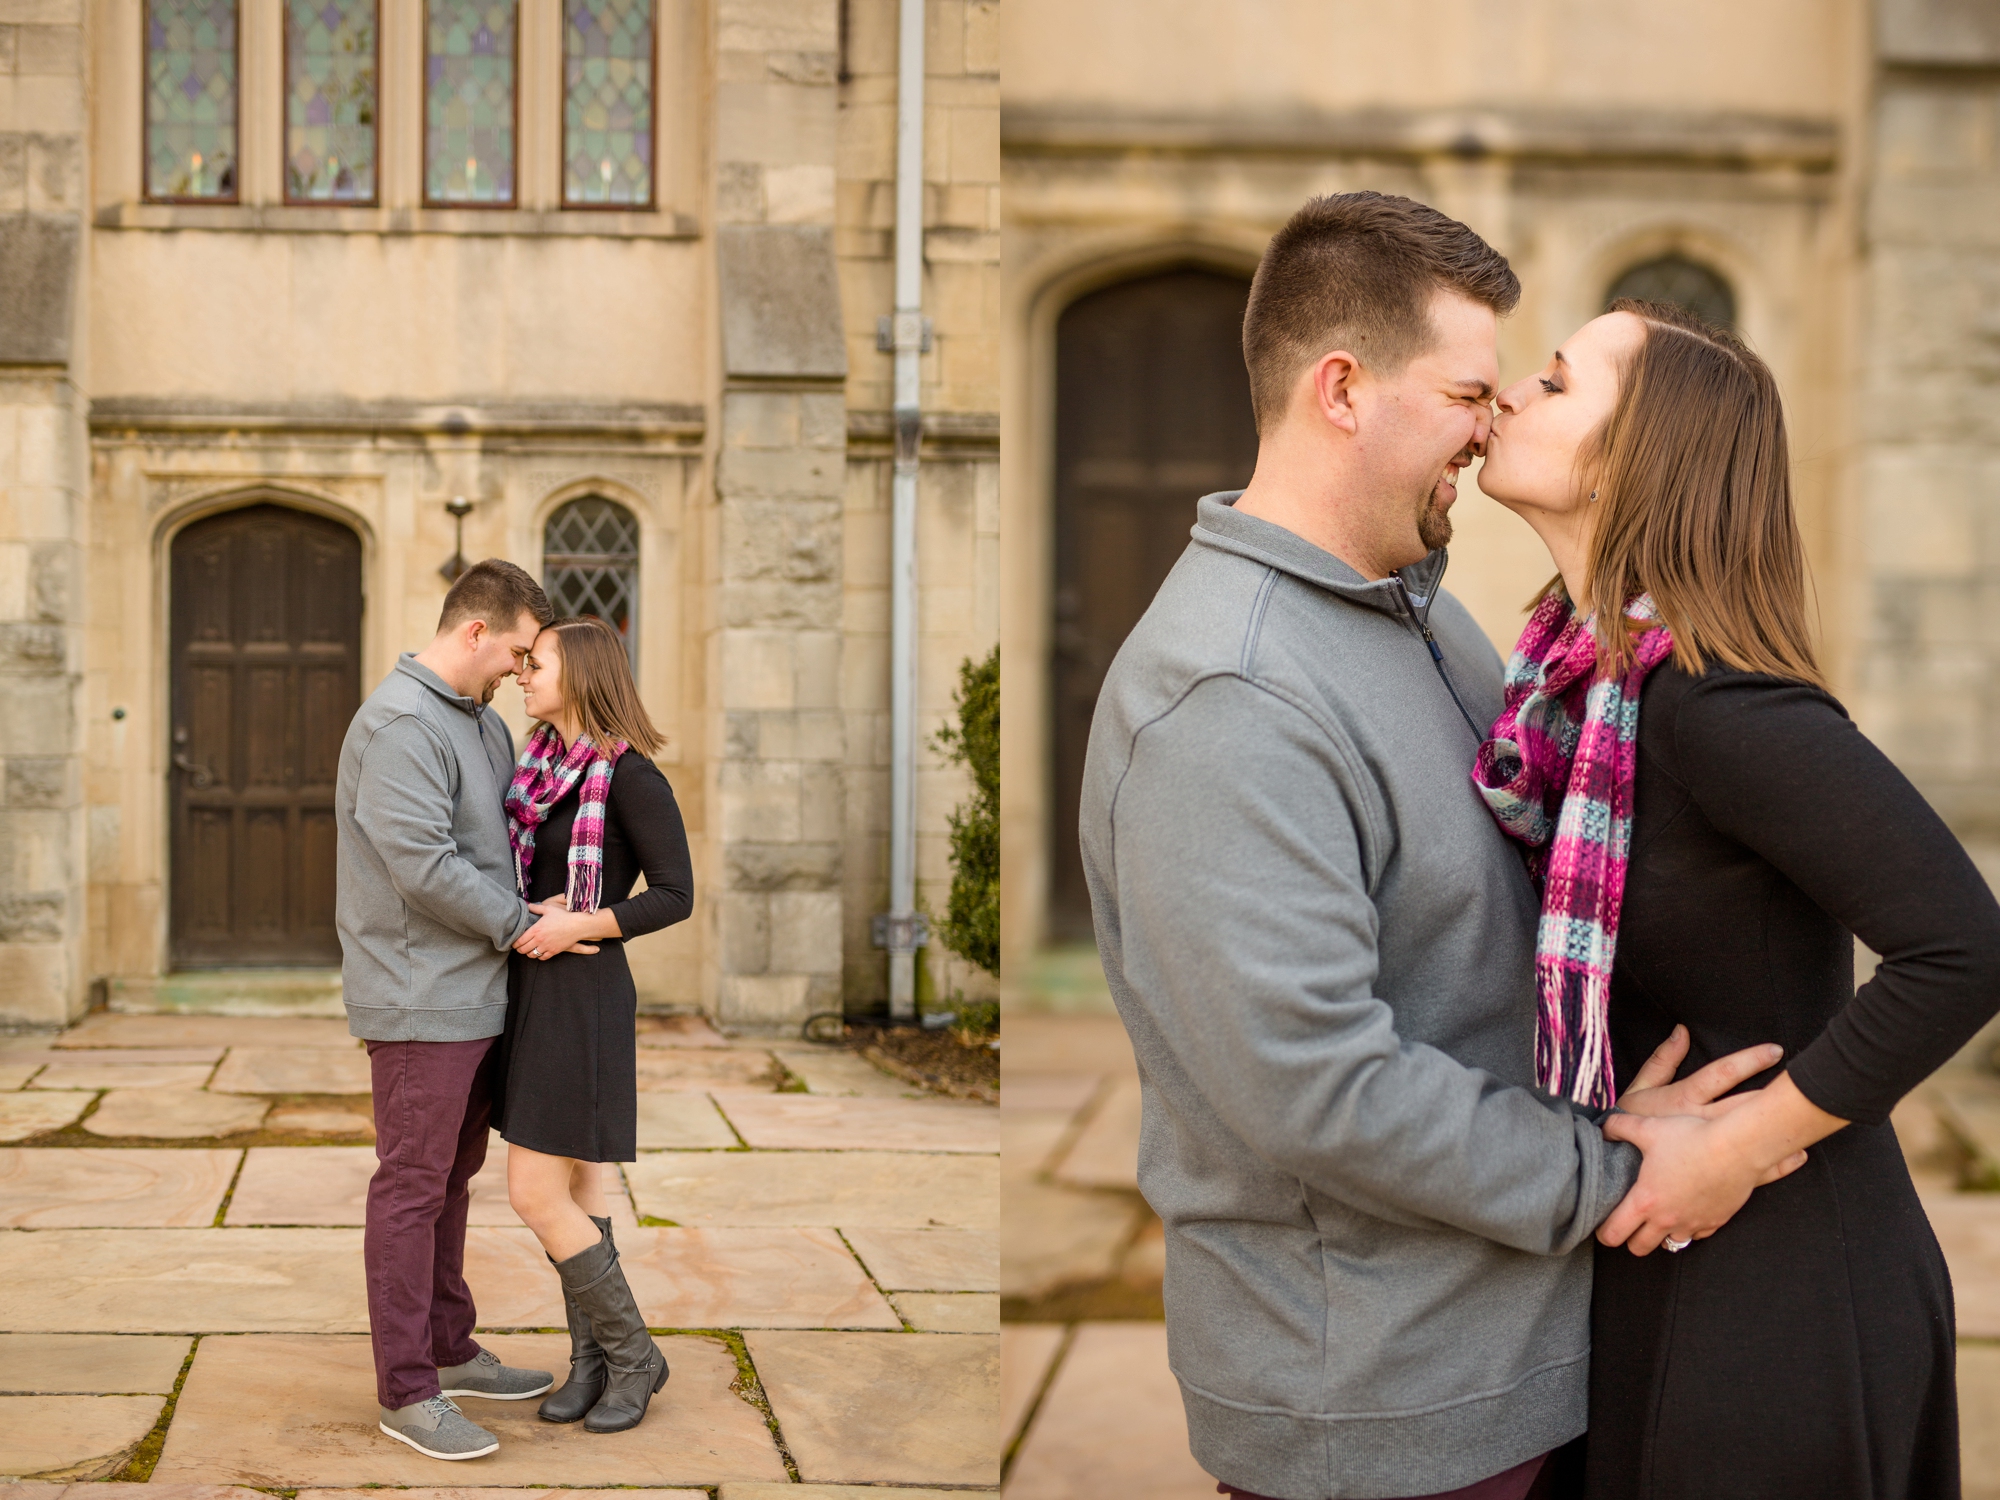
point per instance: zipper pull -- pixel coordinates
(1431, 641)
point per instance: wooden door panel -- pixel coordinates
(266, 677)
(1152, 412)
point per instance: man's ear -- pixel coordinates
(475, 632)
(1333, 376)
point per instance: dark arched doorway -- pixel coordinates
(1152, 413)
(266, 675)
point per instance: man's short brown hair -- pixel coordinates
(1357, 271)
(497, 592)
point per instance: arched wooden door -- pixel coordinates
(266, 676)
(1152, 413)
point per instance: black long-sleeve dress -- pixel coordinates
(1806, 1349)
(568, 1071)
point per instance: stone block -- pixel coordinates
(72, 1437)
(760, 419)
(89, 1364)
(770, 604)
(779, 473)
(54, 51)
(804, 1122)
(1112, 1423)
(975, 149)
(756, 670)
(781, 867)
(739, 192)
(32, 648)
(324, 1432)
(805, 931)
(777, 25)
(982, 36)
(897, 1408)
(34, 917)
(743, 924)
(775, 122)
(760, 802)
(929, 1260)
(293, 1070)
(950, 1312)
(788, 541)
(823, 422)
(818, 655)
(780, 297)
(823, 802)
(764, 1000)
(43, 721)
(75, 1188)
(41, 781)
(801, 193)
(1938, 32)
(38, 269)
(819, 69)
(174, 1114)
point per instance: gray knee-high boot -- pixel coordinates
(573, 1399)
(634, 1367)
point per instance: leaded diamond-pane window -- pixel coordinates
(590, 564)
(469, 83)
(191, 100)
(330, 101)
(607, 103)
(1685, 283)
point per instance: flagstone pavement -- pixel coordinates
(1088, 1405)
(814, 1243)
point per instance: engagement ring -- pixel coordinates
(1675, 1246)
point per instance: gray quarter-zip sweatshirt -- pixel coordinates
(427, 905)
(1378, 1232)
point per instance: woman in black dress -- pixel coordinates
(1794, 1341)
(588, 812)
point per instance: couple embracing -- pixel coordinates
(1503, 1072)
(483, 908)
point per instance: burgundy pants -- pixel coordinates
(432, 1101)
(1517, 1483)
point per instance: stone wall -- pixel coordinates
(1928, 476)
(43, 474)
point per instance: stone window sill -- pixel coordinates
(664, 224)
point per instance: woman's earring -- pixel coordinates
(1593, 495)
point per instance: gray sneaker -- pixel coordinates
(437, 1429)
(484, 1375)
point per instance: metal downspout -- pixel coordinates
(907, 333)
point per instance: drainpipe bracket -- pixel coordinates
(895, 332)
(901, 932)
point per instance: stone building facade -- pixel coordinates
(241, 408)
(1826, 173)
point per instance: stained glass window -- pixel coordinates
(590, 564)
(191, 100)
(1686, 283)
(330, 100)
(469, 67)
(607, 103)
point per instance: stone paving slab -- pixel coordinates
(105, 1030)
(1979, 1419)
(76, 1188)
(1048, 1093)
(801, 1122)
(908, 1408)
(834, 1071)
(89, 1364)
(1967, 1226)
(1026, 1352)
(852, 1189)
(23, 1115)
(689, 1278)
(1051, 1236)
(134, 1057)
(1106, 1153)
(174, 1114)
(496, 1494)
(702, 1070)
(1066, 1044)
(293, 1070)
(183, 1280)
(930, 1260)
(76, 1437)
(88, 1074)
(950, 1312)
(685, 1122)
(1111, 1424)
(14, 1074)
(61, 1491)
(324, 1433)
(294, 1120)
(328, 1185)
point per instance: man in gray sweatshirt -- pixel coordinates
(427, 908)
(1378, 1232)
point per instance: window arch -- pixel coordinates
(590, 564)
(1684, 282)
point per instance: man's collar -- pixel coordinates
(1218, 523)
(408, 663)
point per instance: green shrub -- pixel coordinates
(971, 926)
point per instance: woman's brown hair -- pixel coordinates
(1694, 482)
(597, 686)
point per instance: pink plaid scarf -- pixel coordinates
(540, 782)
(1558, 774)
